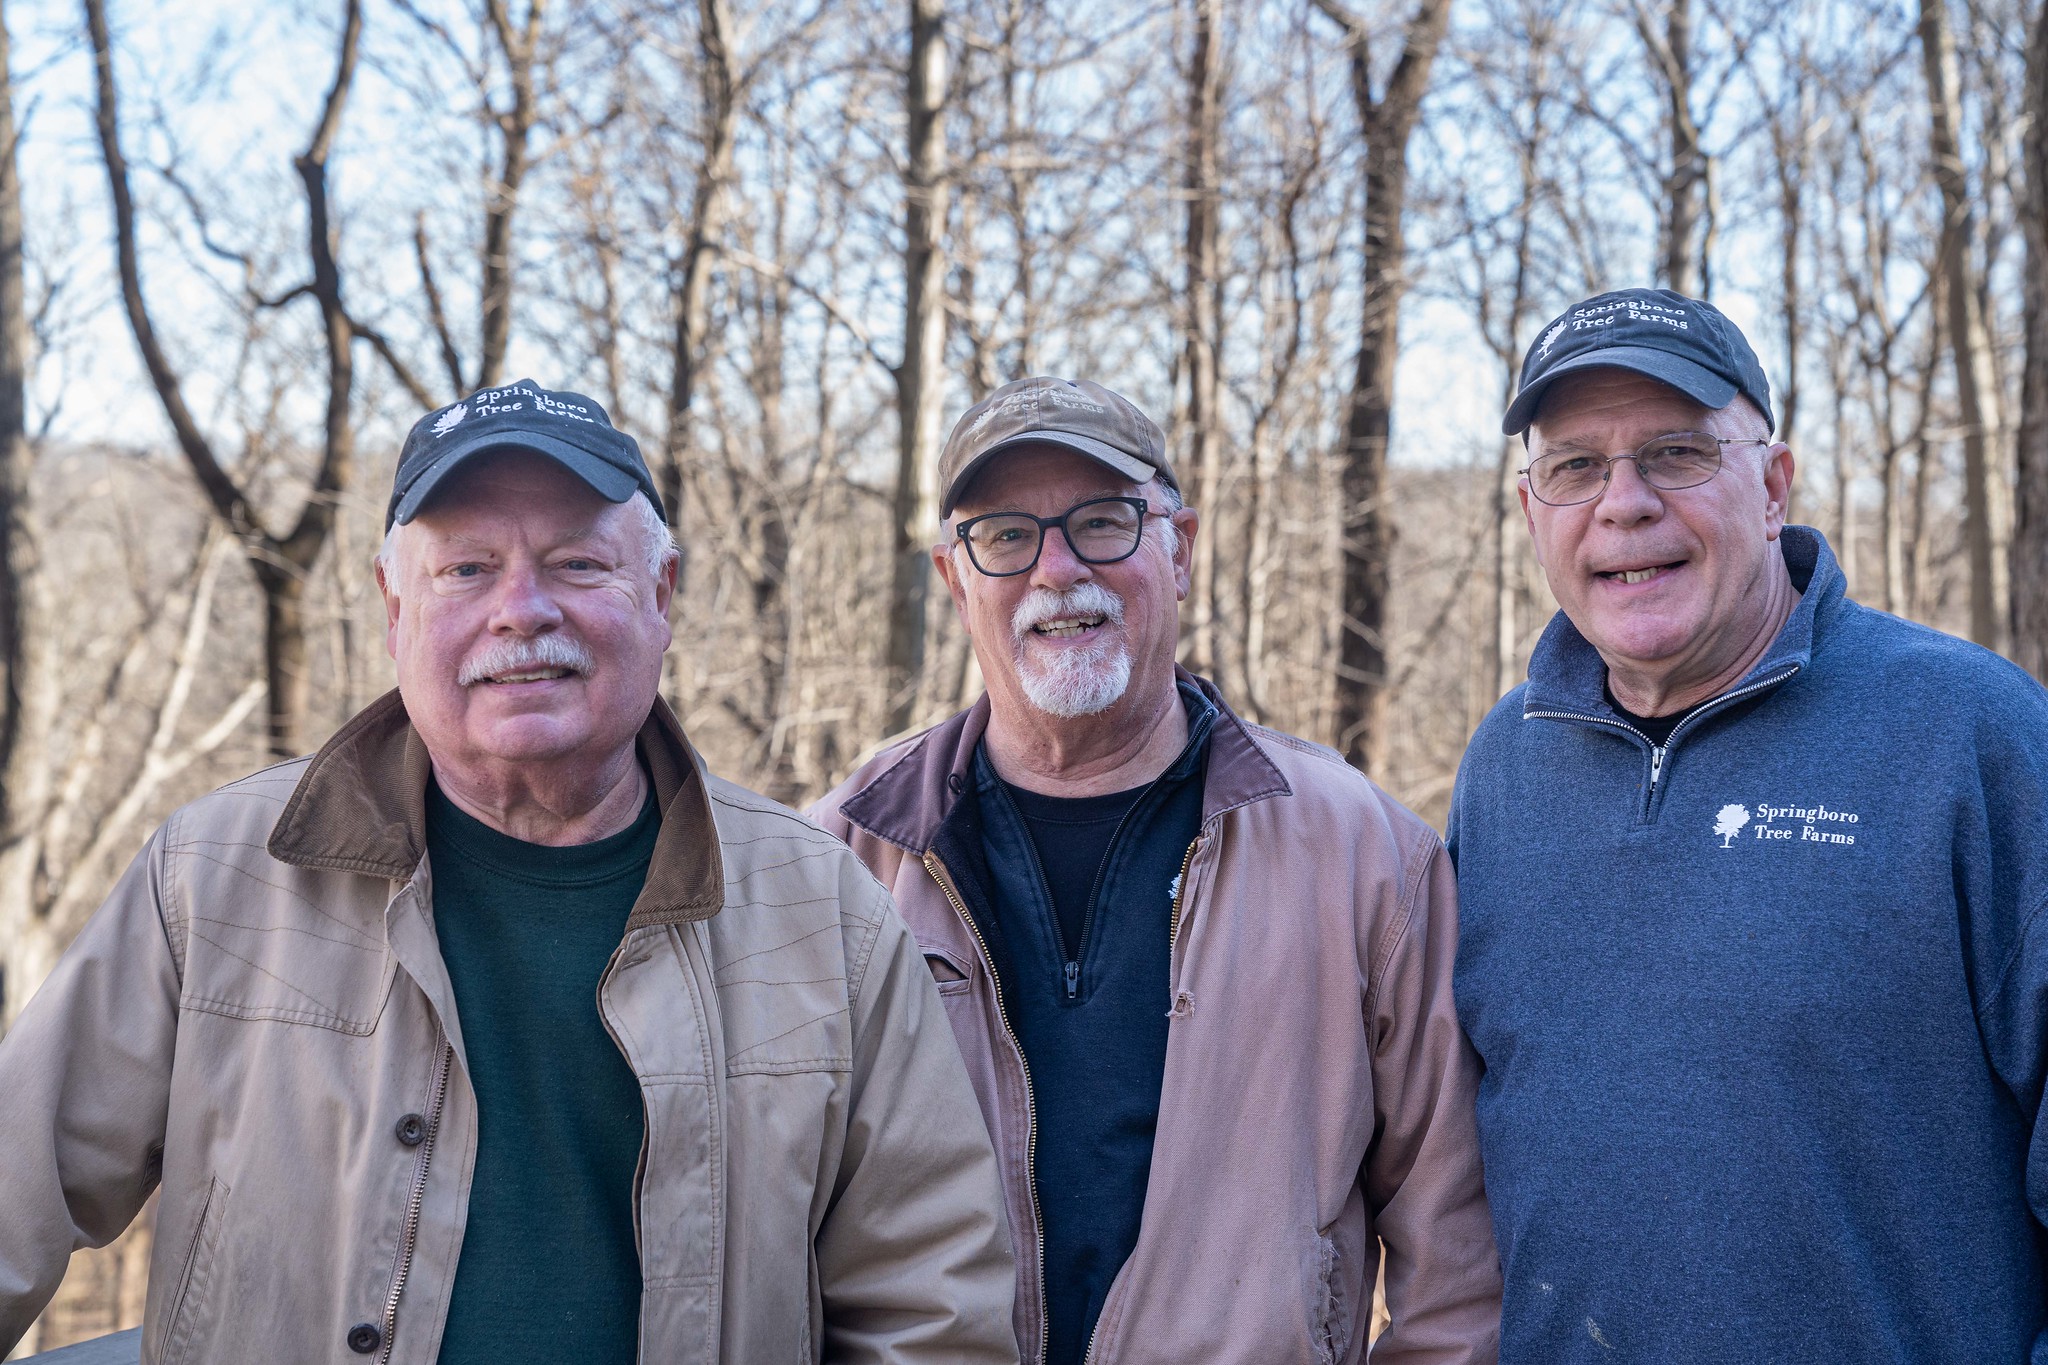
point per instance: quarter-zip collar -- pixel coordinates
(361, 807)
(1567, 677)
(908, 802)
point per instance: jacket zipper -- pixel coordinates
(938, 873)
(1073, 965)
(1180, 891)
(1658, 751)
(417, 1200)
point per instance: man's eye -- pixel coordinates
(1572, 464)
(578, 565)
(1007, 535)
(466, 570)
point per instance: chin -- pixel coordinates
(1658, 637)
(531, 738)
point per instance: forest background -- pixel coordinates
(244, 245)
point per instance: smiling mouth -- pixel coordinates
(1067, 627)
(528, 675)
(1632, 576)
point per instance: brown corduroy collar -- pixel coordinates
(361, 806)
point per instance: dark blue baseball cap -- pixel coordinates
(570, 429)
(1686, 343)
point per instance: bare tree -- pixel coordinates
(517, 42)
(1969, 341)
(1684, 226)
(1385, 122)
(913, 504)
(1202, 314)
(24, 672)
(2029, 548)
(718, 89)
(282, 564)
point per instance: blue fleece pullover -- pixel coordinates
(1763, 1011)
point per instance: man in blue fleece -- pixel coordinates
(1752, 881)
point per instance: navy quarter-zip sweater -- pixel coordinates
(1763, 1010)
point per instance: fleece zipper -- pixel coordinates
(1659, 752)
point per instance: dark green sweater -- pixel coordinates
(549, 1267)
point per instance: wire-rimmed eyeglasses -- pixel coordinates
(1100, 531)
(1679, 459)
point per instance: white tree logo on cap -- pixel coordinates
(1550, 338)
(450, 418)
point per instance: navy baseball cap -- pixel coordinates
(1686, 343)
(570, 429)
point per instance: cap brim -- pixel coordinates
(1696, 382)
(1130, 466)
(606, 479)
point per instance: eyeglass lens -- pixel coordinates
(1680, 460)
(1099, 532)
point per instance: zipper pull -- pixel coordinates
(1656, 764)
(1073, 979)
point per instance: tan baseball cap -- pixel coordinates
(1082, 416)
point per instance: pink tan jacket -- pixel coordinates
(1318, 1097)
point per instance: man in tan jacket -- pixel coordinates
(1200, 971)
(498, 1030)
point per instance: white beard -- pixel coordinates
(1072, 682)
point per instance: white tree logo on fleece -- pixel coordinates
(450, 418)
(1729, 823)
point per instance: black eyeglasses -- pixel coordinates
(1682, 459)
(1100, 531)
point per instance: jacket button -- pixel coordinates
(364, 1338)
(412, 1131)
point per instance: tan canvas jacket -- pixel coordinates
(259, 1020)
(1318, 1097)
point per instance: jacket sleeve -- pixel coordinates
(1422, 1175)
(85, 1078)
(914, 1253)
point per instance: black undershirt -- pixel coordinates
(1658, 728)
(1072, 835)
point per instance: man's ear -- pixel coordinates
(391, 608)
(1779, 467)
(949, 573)
(665, 584)
(1187, 522)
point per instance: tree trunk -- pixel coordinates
(914, 504)
(2028, 554)
(1968, 342)
(1365, 532)
(1681, 252)
(273, 559)
(27, 673)
(501, 197)
(17, 460)
(1202, 312)
(693, 277)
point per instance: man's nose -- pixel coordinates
(524, 605)
(1058, 567)
(1627, 500)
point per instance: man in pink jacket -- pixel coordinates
(1200, 971)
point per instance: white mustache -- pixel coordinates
(520, 655)
(1083, 599)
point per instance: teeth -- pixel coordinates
(1070, 625)
(539, 675)
(1637, 575)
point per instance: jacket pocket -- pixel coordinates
(189, 1307)
(950, 976)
